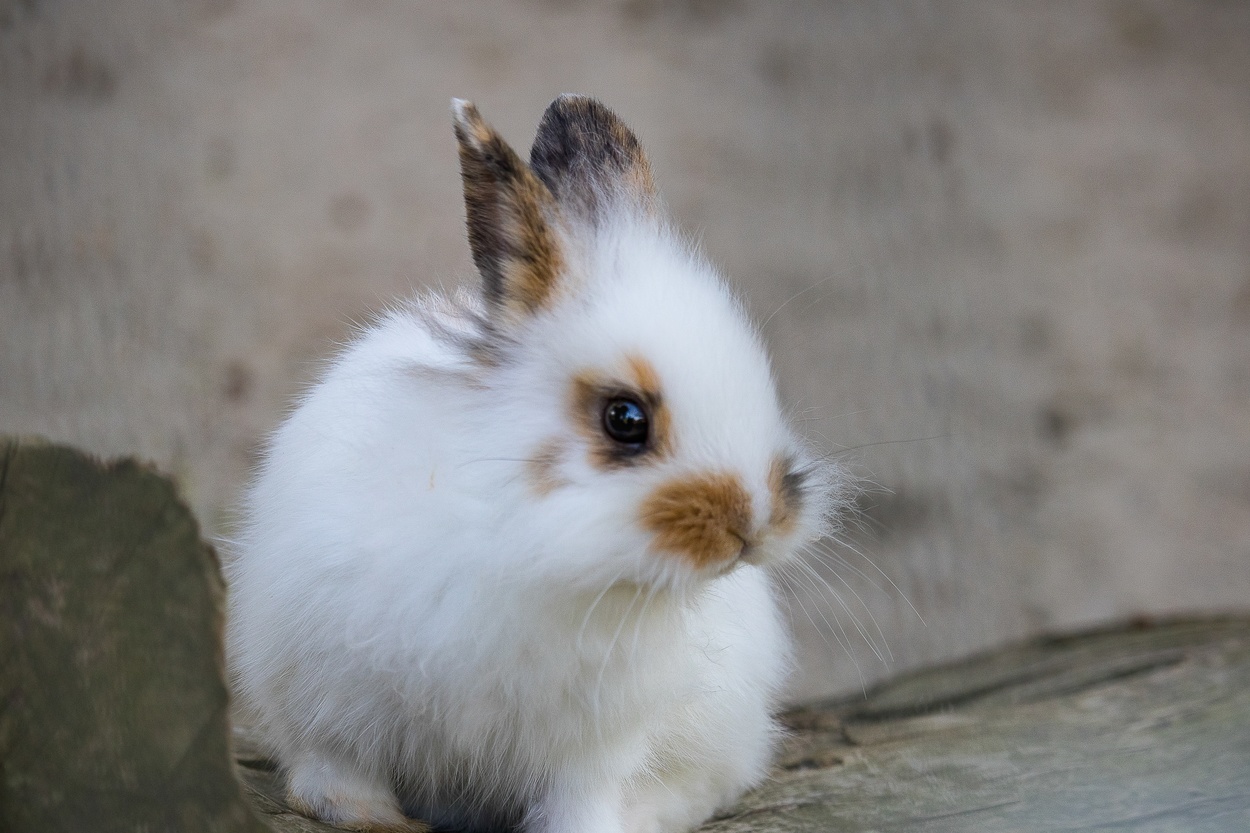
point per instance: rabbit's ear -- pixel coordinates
(508, 212)
(590, 161)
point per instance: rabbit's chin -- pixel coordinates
(661, 572)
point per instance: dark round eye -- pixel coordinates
(625, 421)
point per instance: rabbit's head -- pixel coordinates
(623, 374)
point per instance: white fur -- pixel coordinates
(413, 625)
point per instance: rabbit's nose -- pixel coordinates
(704, 518)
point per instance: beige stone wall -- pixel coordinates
(1002, 251)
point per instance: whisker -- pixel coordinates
(889, 657)
(813, 411)
(872, 645)
(586, 620)
(607, 655)
(798, 294)
(822, 553)
(838, 633)
(633, 650)
(846, 544)
(498, 460)
(842, 450)
(809, 588)
(638, 624)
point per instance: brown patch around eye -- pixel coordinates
(705, 518)
(647, 385)
(590, 394)
(541, 468)
(785, 485)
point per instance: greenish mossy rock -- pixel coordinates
(114, 708)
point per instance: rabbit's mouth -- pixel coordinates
(752, 553)
(767, 551)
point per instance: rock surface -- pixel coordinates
(114, 704)
(1143, 728)
(114, 708)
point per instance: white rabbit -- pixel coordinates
(506, 565)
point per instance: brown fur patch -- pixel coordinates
(585, 154)
(540, 469)
(647, 384)
(591, 391)
(507, 210)
(703, 518)
(785, 486)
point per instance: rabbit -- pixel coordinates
(507, 564)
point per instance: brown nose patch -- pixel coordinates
(704, 518)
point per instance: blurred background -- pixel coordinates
(1001, 252)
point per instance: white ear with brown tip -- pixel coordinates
(508, 211)
(589, 159)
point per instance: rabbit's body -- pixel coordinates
(456, 597)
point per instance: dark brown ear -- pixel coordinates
(588, 158)
(509, 212)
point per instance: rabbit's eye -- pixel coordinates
(625, 421)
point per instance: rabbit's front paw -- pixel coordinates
(345, 797)
(580, 808)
